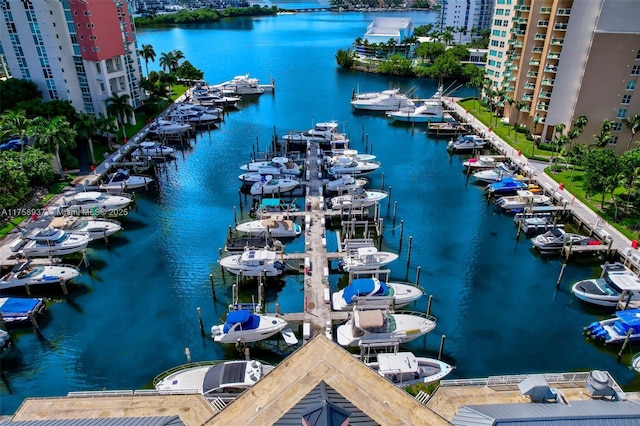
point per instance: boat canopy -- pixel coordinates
(15, 306)
(363, 287)
(367, 251)
(223, 374)
(401, 362)
(248, 320)
(270, 202)
(625, 281)
(371, 319)
(630, 317)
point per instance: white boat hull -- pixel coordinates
(39, 276)
(407, 328)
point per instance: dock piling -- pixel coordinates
(401, 233)
(564, 266)
(418, 275)
(625, 343)
(395, 209)
(213, 288)
(187, 352)
(444, 337)
(429, 304)
(200, 320)
(409, 251)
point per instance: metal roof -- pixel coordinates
(591, 412)
(116, 421)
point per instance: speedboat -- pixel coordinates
(275, 166)
(552, 242)
(378, 325)
(336, 154)
(326, 131)
(53, 242)
(213, 379)
(270, 185)
(169, 127)
(345, 182)
(365, 258)
(217, 98)
(502, 171)
(270, 206)
(122, 180)
(536, 223)
(506, 186)
(349, 166)
(246, 327)
(521, 200)
(98, 203)
(194, 114)
(241, 85)
(617, 283)
(405, 369)
(356, 197)
(24, 275)
(467, 143)
(625, 324)
(363, 289)
(482, 162)
(253, 263)
(447, 129)
(97, 228)
(273, 227)
(430, 110)
(18, 311)
(152, 149)
(387, 100)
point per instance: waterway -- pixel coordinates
(132, 318)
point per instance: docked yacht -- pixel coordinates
(377, 325)
(270, 185)
(337, 154)
(25, 275)
(536, 222)
(275, 166)
(482, 162)
(364, 290)
(326, 131)
(500, 172)
(467, 143)
(275, 228)
(506, 186)
(246, 327)
(123, 180)
(97, 203)
(431, 110)
(349, 166)
(152, 149)
(345, 183)
(617, 283)
(552, 241)
(18, 311)
(387, 100)
(405, 369)
(253, 263)
(53, 242)
(523, 199)
(616, 330)
(187, 114)
(166, 127)
(356, 198)
(365, 258)
(97, 228)
(241, 85)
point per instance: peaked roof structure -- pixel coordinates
(290, 391)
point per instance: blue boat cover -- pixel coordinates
(270, 202)
(248, 320)
(630, 317)
(17, 305)
(362, 287)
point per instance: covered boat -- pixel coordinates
(17, 311)
(349, 166)
(356, 197)
(253, 263)
(275, 166)
(270, 185)
(244, 326)
(523, 199)
(467, 143)
(404, 368)
(152, 149)
(345, 183)
(361, 291)
(365, 258)
(552, 242)
(283, 228)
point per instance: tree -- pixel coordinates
(52, 134)
(166, 61)
(168, 80)
(520, 106)
(633, 124)
(16, 123)
(423, 30)
(558, 131)
(604, 137)
(430, 51)
(396, 65)
(446, 66)
(600, 165)
(14, 184)
(447, 37)
(119, 108)
(461, 30)
(346, 58)
(148, 54)
(15, 90)
(392, 45)
(86, 127)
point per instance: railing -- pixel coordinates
(564, 12)
(532, 74)
(553, 55)
(543, 23)
(537, 49)
(529, 86)
(546, 10)
(534, 62)
(527, 97)
(540, 36)
(548, 81)
(557, 41)
(545, 95)
(560, 26)
(542, 107)
(550, 68)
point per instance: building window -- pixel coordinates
(504, 34)
(622, 113)
(614, 140)
(638, 56)
(501, 44)
(616, 127)
(626, 99)
(635, 70)
(631, 85)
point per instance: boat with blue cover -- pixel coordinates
(16, 311)
(364, 290)
(506, 186)
(244, 326)
(616, 329)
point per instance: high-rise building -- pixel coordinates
(567, 58)
(466, 16)
(83, 51)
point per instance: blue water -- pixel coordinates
(133, 317)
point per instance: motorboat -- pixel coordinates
(97, 203)
(152, 149)
(553, 241)
(522, 200)
(250, 242)
(213, 379)
(624, 325)
(536, 223)
(617, 283)
(19, 311)
(378, 325)
(251, 177)
(635, 363)
(282, 228)
(362, 290)
(506, 186)
(349, 166)
(273, 206)
(345, 183)
(25, 275)
(405, 369)
(215, 97)
(482, 162)
(192, 116)
(387, 100)
(241, 85)
(123, 180)
(365, 258)
(244, 326)
(467, 143)
(447, 129)
(53, 242)
(326, 131)
(500, 172)
(430, 110)
(275, 166)
(253, 263)
(97, 228)
(166, 127)
(337, 154)
(356, 197)
(270, 185)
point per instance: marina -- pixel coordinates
(162, 270)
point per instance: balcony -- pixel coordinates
(551, 68)
(525, 109)
(545, 10)
(545, 95)
(542, 106)
(553, 55)
(540, 36)
(537, 49)
(534, 62)
(532, 74)
(557, 41)
(509, 88)
(527, 97)
(560, 26)
(529, 86)
(543, 23)
(512, 78)
(516, 56)
(563, 12)
(517, 44)
(548, 81)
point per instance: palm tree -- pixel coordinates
(16, 123)
(358, 41)
(633, 124)
(461, 30)
(106, 125)
(177, 54)
(147, 54)
(86, 127)
(507, 102)
(119, 108)
(447, 37)
(576, 130)
(520, 106)
(392, 45)
(54, 133)
(558, 130)
(167, 80)
(166, 61)
(604, 137)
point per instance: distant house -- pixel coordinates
(383, 29)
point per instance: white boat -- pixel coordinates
(345, 183)
(97, 203)
(536, 223)
(213, 379)
(326, 131)
(336, 154)
(370, 289)
(387, 100)
(216, 98)
(24, 274)
(192, 116)
(365, 258)
(552, 241)
(356, 197)
(246, 327)
(405, 369)
(624, 325)
(122, 180)
(270, 185)
(253, 263)
(522, 200)
(53, 242)
(467, 143)
(169, 127)
(635, 362)
(275, 166)
(97, 228)
(241, 85)
(430, 110)
(152, 149)
(377, 325)
(482, 162)
(273, 227)
(349, 166)
(501, 171)
(617, 283)
(18, 311)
